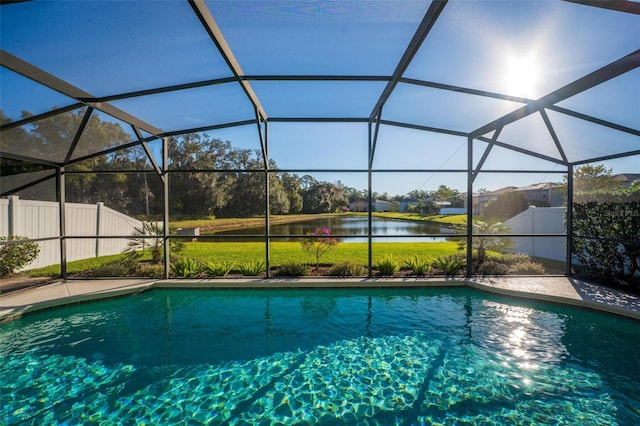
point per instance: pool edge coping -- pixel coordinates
(298, 283)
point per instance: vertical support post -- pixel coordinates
(165, 218)
(99, 211)
(14, 216)
(469, 207)
(267, 203)
(61, 196)
(569, 214)
(369, 207)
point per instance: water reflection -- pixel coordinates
(354, 228)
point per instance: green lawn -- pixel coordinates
(281, 253)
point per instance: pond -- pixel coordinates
(356, 229)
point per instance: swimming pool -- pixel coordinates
(380, 356)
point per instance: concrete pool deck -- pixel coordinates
(562, 290)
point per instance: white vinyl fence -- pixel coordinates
(540, 220)
(40, 219)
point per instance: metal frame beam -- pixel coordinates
(607, 72)
(78, 135)
(38, 75)
(204, 15)
(617, 5)
(148, 152)
(554, 136)
(430, 18)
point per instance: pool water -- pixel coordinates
(367, 357)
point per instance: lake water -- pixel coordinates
(356, 229)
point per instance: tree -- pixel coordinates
(318, 243)
(321, 197)
(292, 187)
(506, 206)
(199, 190)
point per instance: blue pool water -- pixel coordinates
(374, 357)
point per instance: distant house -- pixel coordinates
(363, 206)
(627, 179)
(546, 194)
(404, 205)
(481, 200)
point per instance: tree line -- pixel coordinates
(211, 177)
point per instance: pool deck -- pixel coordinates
(562, 290)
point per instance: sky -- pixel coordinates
(525, 49)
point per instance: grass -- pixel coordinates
(445, 219)
(291, 252)
(281, 253)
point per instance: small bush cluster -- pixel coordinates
(418, 266)
(347, 269)
(449, 265)
(16, 256)
(217, 269)
(251, 268)
(185, 267)
(387, 266)
(292, 269)
(127, 268)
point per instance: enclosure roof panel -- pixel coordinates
(522, 48)
(107, 47)
(310, 37)
(557, 78)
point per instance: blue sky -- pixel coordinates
(114, 47)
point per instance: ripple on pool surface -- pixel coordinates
(365, 380)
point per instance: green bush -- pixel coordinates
(18, 255)
(251, 267)
(492, 267)
(606, 238)
(387, 266)
(417, 265)
(217, 269)
(119, 268)
(347, 269)
(449, 265)
(292, 269)
(185, 267)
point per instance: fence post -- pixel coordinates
(14, 217)
(99, 210)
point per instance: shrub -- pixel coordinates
(292, 269)
(18, 255)
(387, 266)
(522, 264)
(185, 267)
(347, 269)
(150, 237)
(118, 268)
(318, 243)
(218, 269)
(488, 243)
(251, 267)
(449, 265)
(492, 267)
(606, 238)
(418, 265)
